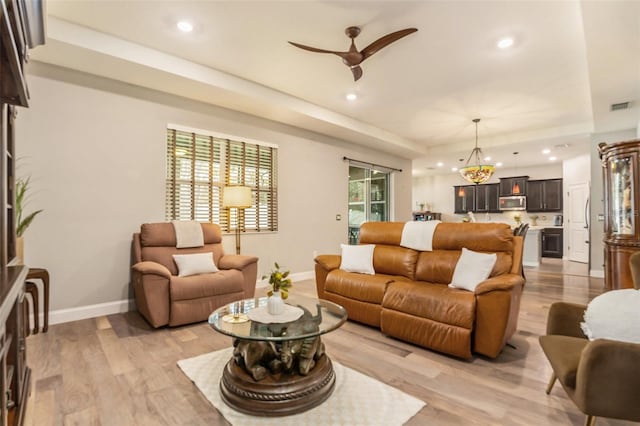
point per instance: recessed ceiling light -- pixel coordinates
(351, 96)
(185, 26)
(505, 43)
(546, 151)
(499, 164)
(487, 158)
(552, 158)
(440, 164)
(454, 169)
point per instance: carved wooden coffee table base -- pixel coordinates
(280, 394)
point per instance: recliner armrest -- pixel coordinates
(236, 261)
(504, 282)
(329, 262)
(148, 267)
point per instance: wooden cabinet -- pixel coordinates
(513, 186)
(544, 195)
(552, 242)
(621, 165)
(487, 198)
(465, 198)
(17, 34)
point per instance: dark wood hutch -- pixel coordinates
(21, 28)
(621, 168)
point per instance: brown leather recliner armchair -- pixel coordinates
(600, 376)
(163, 297)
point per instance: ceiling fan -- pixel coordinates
(353, 58)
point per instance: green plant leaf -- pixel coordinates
(24, 224)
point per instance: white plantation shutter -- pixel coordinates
(199, 166)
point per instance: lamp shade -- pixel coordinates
(479, 173)
(236, 196)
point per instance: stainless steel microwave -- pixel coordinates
(516, 202)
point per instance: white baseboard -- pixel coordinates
(532, 264)
(598, 273)
(91, 311)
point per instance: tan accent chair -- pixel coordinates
(602, 377)
(164, 298)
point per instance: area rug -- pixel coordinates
(356, 399)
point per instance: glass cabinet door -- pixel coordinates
(622, 219)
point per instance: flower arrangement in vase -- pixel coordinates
(280, 285)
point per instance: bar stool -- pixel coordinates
(31, 288)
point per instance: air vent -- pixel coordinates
(621, 105)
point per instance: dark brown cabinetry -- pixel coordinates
(552, 242)
(465, 198)
(513, 186)
(21, 27)
(544, 195)
(487, 198)
(621, 165)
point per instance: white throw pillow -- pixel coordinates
(614, 315)
(357, 258)
(472, 268)
(194, 264)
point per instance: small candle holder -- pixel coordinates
(236, 316)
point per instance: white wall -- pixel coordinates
(95, 149)
(437, 191)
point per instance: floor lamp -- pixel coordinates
(238, 197)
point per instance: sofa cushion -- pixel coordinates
(365, 288)
(204, 285)
(437, 266)
(164, 234)
(472, 268)
(436, 302)
(357, 258)
(164, 255)
(392, 260)
(194, 264)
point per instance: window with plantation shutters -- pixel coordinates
(199, 166)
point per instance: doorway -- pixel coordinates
(579, 222)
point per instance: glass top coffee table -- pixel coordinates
(277, 368)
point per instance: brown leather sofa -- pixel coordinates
(408, 297)
(163, 297)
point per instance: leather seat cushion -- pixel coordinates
(564, 354)
(362, 287)
(206, 285)
(436, 302)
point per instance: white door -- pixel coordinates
(578, 222)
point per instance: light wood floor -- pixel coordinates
(115, 370)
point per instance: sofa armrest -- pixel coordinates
(148, 267)
(504, 282)
(248, 265)
(608, 379)
(236, 261)
(329, 262)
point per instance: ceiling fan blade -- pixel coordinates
(385, 41)
(357, 72)
(315, 49)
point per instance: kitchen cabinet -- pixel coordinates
(513, 186)
(487, 198)
(544, 195)
(465, 198)
(552, 242)
(621, 165)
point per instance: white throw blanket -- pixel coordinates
(419, 235)
(188, 234)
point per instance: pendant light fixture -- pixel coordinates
(515, 188)
(476, 173)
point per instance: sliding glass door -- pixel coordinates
(368, 198)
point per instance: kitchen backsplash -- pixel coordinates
(543, 219)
